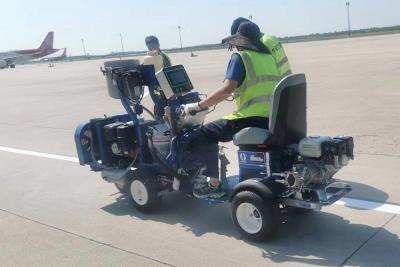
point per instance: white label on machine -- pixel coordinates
(267, 164)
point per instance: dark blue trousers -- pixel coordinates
(206, 145)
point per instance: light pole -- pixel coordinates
(348, 17)
(83, 45)
(122, 44)
(180, 36)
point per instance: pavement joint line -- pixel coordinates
(145, 94)
(86, 238)
(34, 126)
(366, 241)
(377, 154)
(346, 202)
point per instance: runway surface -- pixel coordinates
(55, 212)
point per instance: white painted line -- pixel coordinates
(38, 154)
(346, 202)
(368, 205)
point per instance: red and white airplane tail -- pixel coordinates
(47, 43)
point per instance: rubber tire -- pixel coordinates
(269, 210)
(154, 200)
(123, 189)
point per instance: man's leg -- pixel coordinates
(223, 131)
(220, 131)
(211, 134)
(207, 144)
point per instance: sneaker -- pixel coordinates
(209, 191)
(199, 182)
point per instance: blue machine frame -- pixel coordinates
(86, 157)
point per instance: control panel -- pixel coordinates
(174, 81)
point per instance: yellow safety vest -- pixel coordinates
(166, 60)
(277, 51)
(252, 97)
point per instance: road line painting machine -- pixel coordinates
(279, 167)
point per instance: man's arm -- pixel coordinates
(235, 75)
(224, 92)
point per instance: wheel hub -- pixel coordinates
(249, 218)
(139, 192)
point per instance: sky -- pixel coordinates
(24, 23)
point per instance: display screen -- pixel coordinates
(174, 80)
(177, 77)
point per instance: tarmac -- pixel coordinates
(54, 212)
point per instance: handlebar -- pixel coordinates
(192, 118)
(182, 111)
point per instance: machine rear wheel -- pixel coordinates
(256, 218)
(144, 196)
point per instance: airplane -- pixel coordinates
(10, 58)
(58, 55)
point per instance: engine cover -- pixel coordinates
(311, 147)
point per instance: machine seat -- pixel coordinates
(287, 116)
(251, 136)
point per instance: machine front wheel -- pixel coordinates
(257, 219)
(144, 195)
(122, 188)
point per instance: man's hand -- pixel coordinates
(193, 108)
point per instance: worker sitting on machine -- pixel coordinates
(251, 76)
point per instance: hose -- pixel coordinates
(149, 112)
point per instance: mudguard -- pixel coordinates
(82, 143)
(267, 188)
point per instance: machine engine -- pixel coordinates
(105, 143)
(121, 138)
(319, 159)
